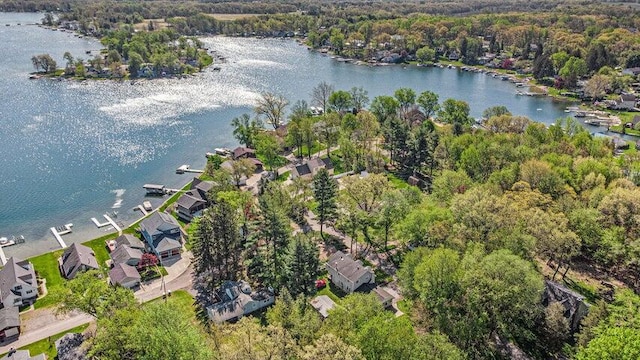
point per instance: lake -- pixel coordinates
(72, 151)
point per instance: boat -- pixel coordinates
(580, 114)
(147, 206)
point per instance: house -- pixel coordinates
(385, 298)
(23, 355)
(77, 258)
(234, 299)
(69, 347)
(323, 304)
(576, 307)
(131, 241)
(163, 235)
(124, 254)
(242, 153)
(453, 56)
(18, 283)
(310, 168)
(192, 202)
(124, 275)
(9, 324)
(259, 166)
(626, 102)
(348, 274)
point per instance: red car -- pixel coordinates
(321, 284)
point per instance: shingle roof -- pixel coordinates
(158, 223)
(323, 304)
(347, 267)
(130, 240)
(201, 185)
(242, 151)
(124, 253)
(190, 199)
(315, 163)
(75, 256)
(15, 272)
(9, 317)
(166, 244)
(123, 273)
(302, 170)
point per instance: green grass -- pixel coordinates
(48, 346)
(174, 197)
(332, 292)
(590, 292)
(99, 247)
(46, 265)
(397, 182)
(284, 176)
(179, 298)
(317, 146)
(405, 306)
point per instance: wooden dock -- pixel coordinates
(3, 257)
(142, 210)
(113, 223)
(56, 234)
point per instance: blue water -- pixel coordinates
(71, 151)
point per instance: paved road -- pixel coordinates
(45, 324)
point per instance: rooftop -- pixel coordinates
(347, 267)
(323, 304)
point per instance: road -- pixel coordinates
(43, 323)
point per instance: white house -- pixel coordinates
(348, 274)
(18, 283)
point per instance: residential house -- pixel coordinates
(385, 298)
(9, 324)
(18, 283)
(234, 299)
(243, 153)
(163, 235)
(453, 56)
(311, 167)
(131, 241)
(23, 355)
(77, 258)
(626, 102)
(194, 201)
(124, 254)
(348, 274)
(576, 308)
(323, 304)
(124, 275)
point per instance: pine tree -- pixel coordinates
(302, 263)
(325, 190)
(216, 243)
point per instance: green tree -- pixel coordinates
(428, 101)
(241, 168)
(437, 346)
(296, 316)
(268, 148)
(325, 191)
(426, 54)
(246, 130)
(456, 113)
(272, 107)
(135, 63)
(572, 70)
(384, 108)
(615, 343)
(488, 113)
(341, 101)
(406, 98)
(330, 347)
(359, 98)
(302, 265)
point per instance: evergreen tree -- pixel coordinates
(215, 246)
(302, 264)
(325, 190)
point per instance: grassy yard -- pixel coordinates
(397, 182)
(174, 197)
(317, 146)
(46, 265)
(48, 346)
(99, 247)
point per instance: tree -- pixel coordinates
(215, 245)
(383, 337)
(573, 69)
(406, 98)
(267, 146)
(437, 346)
(456, 113)
(328, 130)
(426, 54)
(428, 101)
(241, 168)
(395, 207)
(296, 316)
(70, 62)
(325, 191)
(135, 63)
(340, 101)
(556, 327)
(597, 86)
(355, 311)
(88, 292)
(330, 347)
(495, 111)
(271, 106)
(320, 95)
(615, 343)
(248, 340)
(44, 62)
(301, 262)
(359, 98)
(384, 108)
(245, 129)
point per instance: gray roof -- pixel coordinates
(124, 253)
(190, 199)
(9, 317)
(158, 223)
(201, 185)
(383, 295)
(166, 244)
(233, 297)
(315, 163)
(22, 355)
(16, 272)
(243, 151)
(302, 170)
(347, 267)
(75, 256)
(323, 304)
(130, 240)
(123, 273)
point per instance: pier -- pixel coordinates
(141, 209)
(187, 169)
(3, 257)
(59, 231)
(108, 222)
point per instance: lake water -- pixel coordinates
(71, 151)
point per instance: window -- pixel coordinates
(19, 287)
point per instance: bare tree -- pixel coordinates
(272, 107)
(320, 95)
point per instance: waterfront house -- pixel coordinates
(124, 275)
(124, 254)
(234, 299)
(24, 355)
(9, 324)
(311, 167)
(163, 235)
(348, 274)
(131, 241)
(77, 258)
(626, 102)
(192, 202)
(18, 283)
(243, 153)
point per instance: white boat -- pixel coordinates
(4, 241)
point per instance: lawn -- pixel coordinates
(174, 197)
(99, 247)
(332, 292)
(317, 146)
(46, 265)
(48, 346)
(397, 182)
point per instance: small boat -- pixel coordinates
(147, 206)
(538, 109)
(580, 114)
